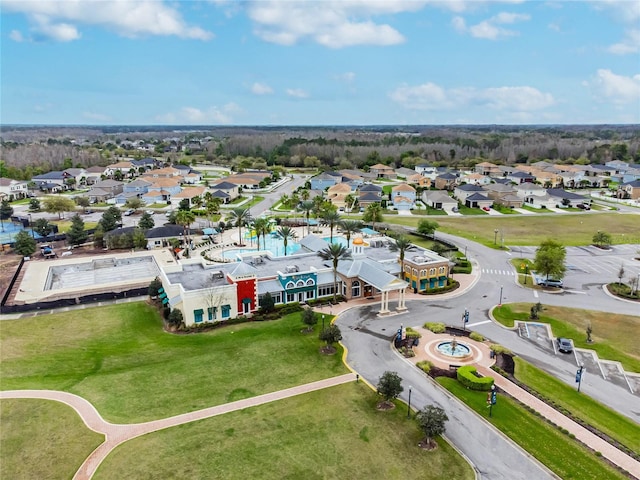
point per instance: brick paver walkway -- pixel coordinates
(115, 434)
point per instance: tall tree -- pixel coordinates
(432, 422)
(134, 203)
(331, 335)
(389, 386)
(550, 259)
(373, 214)
(82, 202)
(401, 244)
(146, 221)
(306, 207)
(335, 252)
(602, 239)
(331, 219)
(76, 233)
(240, 217)
(110, 218)
(24, 244)
(286, 233)
(6, 210)
(427, 227)
(59, 205)
(349, 227)
(34, 205)
(259, 226)
(41, 227)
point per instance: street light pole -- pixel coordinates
(500, 302)
(495, 236)
(465, 319)
(579, 376)
(409, 405)
(31, 226)
(323, 322)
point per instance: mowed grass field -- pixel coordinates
(526, 230)
(615, 336)
(42, 439)
(119, 358)
(332, 433)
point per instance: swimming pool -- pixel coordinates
(369, 231)
(275, 245)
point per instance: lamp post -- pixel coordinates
(465, 319)
(31, 226)
(323, 322)
(500, 302)
(579, 376)
(492, 397)
(495, 236)
(409, 405)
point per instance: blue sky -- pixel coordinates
(349, 62)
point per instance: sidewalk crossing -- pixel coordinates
(492, 271)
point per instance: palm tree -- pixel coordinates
(259, 226)
(185, 218)
(212, 206)
(335, 252)
(306, 207)
(240, 216)
(349, 227)
(331, 219)
(286, 233)
(373, 214)
(401, 245)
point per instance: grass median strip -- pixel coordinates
(581, 406)
(331, 433)
(567, 458)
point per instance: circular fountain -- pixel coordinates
(454, 350)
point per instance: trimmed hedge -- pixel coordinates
(466, 375)
(476, 336)
(425, 366)
(435, 327)
(411, 333)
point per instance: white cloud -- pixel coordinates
(347, 77)
(629, 44)
(614, 88)
(297, 93)
(331, 23)
(490, 29)
(625, 11)
(196, 116)
(261, 89)
(58, 20)
(16, 36)
(430, 96)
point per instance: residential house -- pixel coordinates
(161, 190)
(629, 190)
(504, 195)
(519, 177)
(631, 174)
(569, 199)
(367, 198)
(418, 180)
(487, 169)
(79, 176)
(478, 200)
(382, 171)
(104, 190)
(126, 168)
(428, 171)
(439, 200)
(250, 180)
(231, 190)
(404, 172)
(338, 193)
(52, 181)
(461, 192)
(189, 193)
(166, 172)
(140, 186)
(403, 196)
(475, 179)
(193, 177)
(95, 174)
(13, 189)
(324, 181)
(446, 181)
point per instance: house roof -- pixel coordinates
(139, 183)
(313, 243)
(108, 183)
(380, 166)
(370, 187)
(403, 187)
(220, 194)
(447, 176)
(56, 175)
(439, 196)
(469, 187)
(561, 193)
(632, 184)
(96, 169)
(190, 192)
(520, 174)
(368, 197)
(6, 182)
(224, 185)
(340, 188)
(478, 197)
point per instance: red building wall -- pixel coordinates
(246, 289)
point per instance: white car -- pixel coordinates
(149, 212)
(129, 212)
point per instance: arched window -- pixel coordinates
(300, 283)
(355, 289)
(310, 282)
(407, 268)
(289, 285)
(441, 270)
(415, 272)
(432, 272)
(423, 273)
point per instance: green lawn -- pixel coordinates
(42, 439)
(608, 421)
(119, 358)
(614, 335)
(332, 433)
(568, 229)
(158, 205)
(567, 458)
(64, 225)
(471, 211)
(524, 266)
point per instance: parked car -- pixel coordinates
(564, 345)
(550, 282)
(149, 212)
(129, 212)
(486, 209)
(88, 211)
(583, 206)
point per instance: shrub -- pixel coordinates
(425, 366)
(497, 349)
(407, 352)
(476, 336)
(467, 376)
(289, 308)
(411, 333)
(435, 327)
